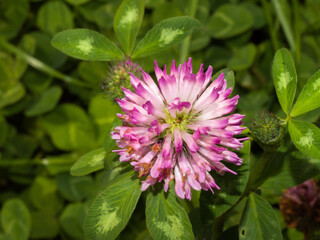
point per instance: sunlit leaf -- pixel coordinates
(285, 78)
(166, 34)
(112, 209)
(306, 137)
(89, 162)
(127, 22)
(166, 218)
(86, 45)
(309, 97)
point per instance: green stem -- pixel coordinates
(273, 33)
(22, 162)
(37, 64)
(297, 29)
(186, 43)
(284, 23)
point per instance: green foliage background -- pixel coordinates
(53, 113)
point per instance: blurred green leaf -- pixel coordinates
(15, 219)
(294, 234)
(229, 20)
(309, 97)
(69, 127)
(75, 188)
(13, 15)
(44, 197)
(77, 2)
(243, 57)
(103, 16)
(165, 34)
(112, 209)
(203, 11)
(18, 107)
(103, 119)
(285, 78)
(166, 218)
(305, 68)
(88, 163)
(23, 145)
(199, 41)
(217, 56)
(10, 92)
(3, 130)
(54, 16)
(94, 72)
(259, 221)
(127, 22)
(293, 171)
(46, 102)
(44, 226)
(256, 13)
(86, 44)
(305, 137)
(72, 219)
(47, 53)
(166, 10)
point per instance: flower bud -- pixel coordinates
(118, 76)
(267, 131)
(300, 206)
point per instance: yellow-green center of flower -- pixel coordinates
(180, 121)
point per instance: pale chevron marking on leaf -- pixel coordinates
(108, 218)
(316, 85)
(227, 20)
(173, 230)
(168, 35)
(129, 17)
(85, 45)
(284, 80)
(96, 159)
(306, 141)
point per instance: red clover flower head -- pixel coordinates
(179, 129)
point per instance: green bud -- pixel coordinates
(118, 76)
(267, 131)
